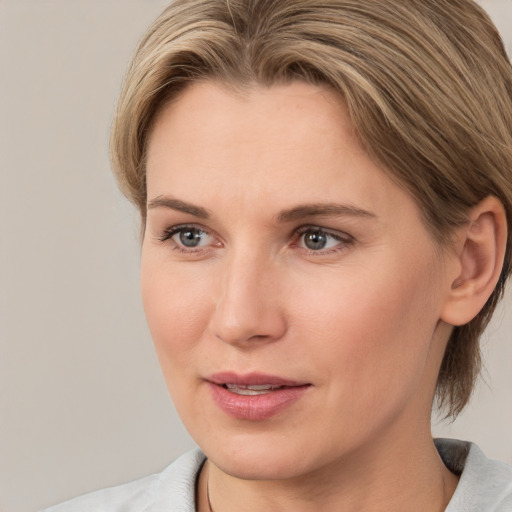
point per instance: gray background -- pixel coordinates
(82, 401)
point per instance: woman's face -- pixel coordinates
(292, 291)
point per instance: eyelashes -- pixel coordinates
(317, 239)
(187, 236)
(189, 239)
(313, 240)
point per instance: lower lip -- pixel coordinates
(255, 407)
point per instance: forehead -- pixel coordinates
(218, 110)
(258, 125)
(289, 143)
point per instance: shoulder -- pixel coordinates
(174, 486)
(485, 484)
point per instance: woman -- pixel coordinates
(325, 190)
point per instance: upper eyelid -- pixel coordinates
(332, 232)
(169, 232)
(179, 227)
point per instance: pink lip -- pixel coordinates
(254, 407)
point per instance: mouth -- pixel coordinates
(254, 396)
(253, 390)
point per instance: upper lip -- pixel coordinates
(252, 379)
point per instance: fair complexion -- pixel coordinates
(275, 248)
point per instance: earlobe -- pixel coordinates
(480, 253)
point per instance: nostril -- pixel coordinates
(243, 317)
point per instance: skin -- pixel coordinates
(360, 320)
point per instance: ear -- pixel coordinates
(480, 251)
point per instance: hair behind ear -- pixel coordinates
(480, 250)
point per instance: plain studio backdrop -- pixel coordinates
(82, 401)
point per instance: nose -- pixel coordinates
(248, 309)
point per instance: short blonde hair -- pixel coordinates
(427, 84)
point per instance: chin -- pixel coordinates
(258, 466)
(262, 457)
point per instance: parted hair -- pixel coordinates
(427, 85)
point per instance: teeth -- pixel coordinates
(251, 390)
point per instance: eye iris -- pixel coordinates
(190, 237)
(315, 240)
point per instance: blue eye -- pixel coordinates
(317, 239)
(185, 238)
(189, 237)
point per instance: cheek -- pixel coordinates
(177, 309)
(370, 332)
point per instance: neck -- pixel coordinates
(399, 479)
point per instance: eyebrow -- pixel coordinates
(178, 205)
(289, 215)
(323, 209)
